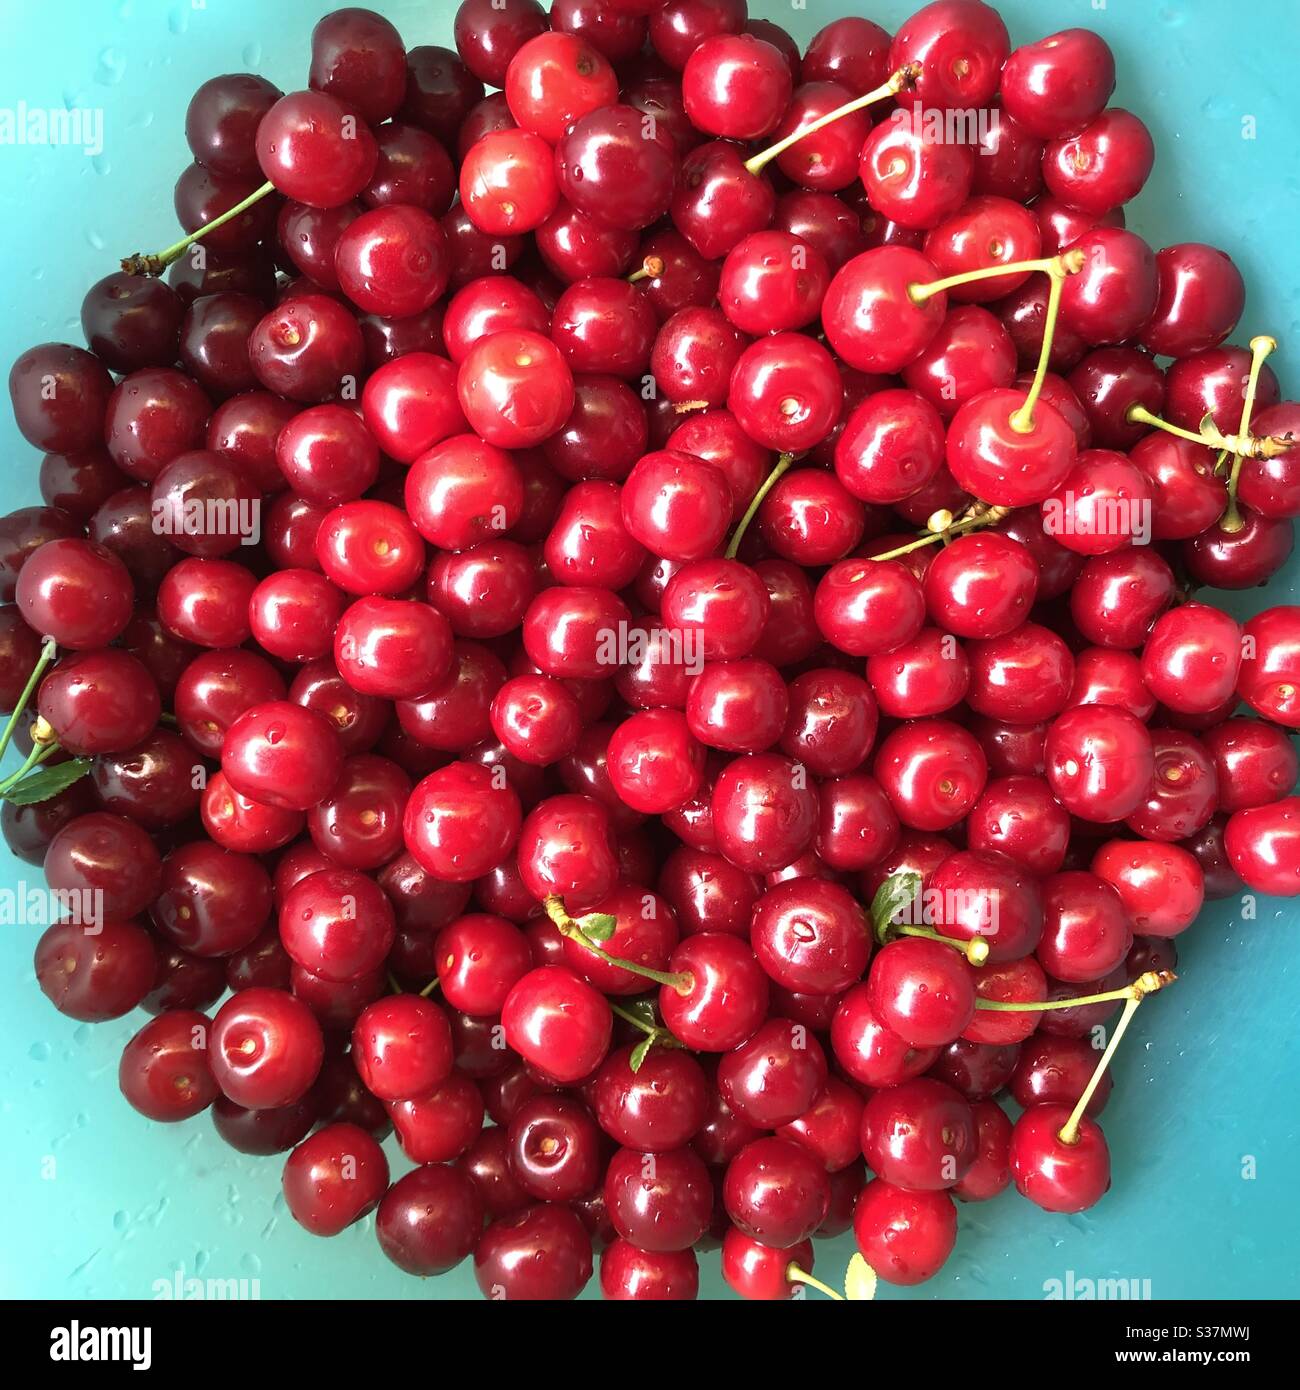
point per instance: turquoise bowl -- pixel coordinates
(1203, 1122)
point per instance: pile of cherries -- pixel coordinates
(711, 680)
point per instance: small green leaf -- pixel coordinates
(859, 1281)
(599, 926)
(48, 782)
(639, 1053)
(892, 897)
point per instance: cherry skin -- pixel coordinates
(107, 855)
(1268, 675)
(99, 977)
(912, 178)
(1103, 165)
(402, 1047)
(440, 1126)
(1255, 763)
(1116, 291)
(922, 991)
(334, 1178)
(460, 823)
(429, 1220)
(515, 388)
(616, 170)
(338, 924)
(764, 812)
(1262, 843)
(553, 80)
(932, 771)
(555, 1148)
(776, 1191)
(869, 316)
(558, 1022)
(773, 1077)
(654, 761)
(1059, 85)
(661, 1202)
(993, 459)
(990, 1174)
(891, 447)
(920, 1135)
(266, 1048)
(864, 607)
(76, 592)
(507, 182)
(164, 1072)
(1201, 297)
(904, 1236)
(727, 996)
(1100, 762)
(542, 1253)
(1086, 930)
(1055, 1175)
(982, 585)
(315, 150)
(566, 850)
(308, 349)
(810, 936)
(409, 405)
(629, 1273)
(660, 1106)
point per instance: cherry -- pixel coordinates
(1053, 1174)
(334, 1178)
(960, 47)
(95, 976)
(1201, 297)
(869, 314)
(656, 1108)
(1222, 558)
(990, 1174)
(429, 1220)
(1086, 930)
(336, 923)
(106, 856)
(554, 79)
(132, 322)
(315, 150)
(557, 1022)
(1059, 85)
(392, 261)
(99, 702)
(982, 585)
(919, 1136)
(555, 1148)
(1101, 166)
(1255, 763)
(515, 389)
(627, 1272)
(976, 1070)
(442, 1125)
(59, 396)
(736, 85)
(75, 592)
(737, 706)
(266, 1049)
(617, 168)
(1115, 291)
(912, 178)
(1260, 842)
(707, 892)
(542, 1253)
(727, 996)
(904, 1236)
(308, 348)
(566, 850)
(660, 1202)
(932, 771)
(460, 822)
(164, 1072)
(922, 991)
(282, 754)
(991, 456)
(776, 1191)
(810, 936)
(221, 122)
(1099, 762)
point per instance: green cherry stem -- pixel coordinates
(48, 651)
(39, 753)
(1254, 446)
(980, 516)
(897, 82)
(651, 268)
(430, 987)
(976, 950)
(1068, 263)
(796, 1275)
(738, 535)
(682, 981)
(1047, 265)
(144, 263)
(1139, 989)
(1260, 348)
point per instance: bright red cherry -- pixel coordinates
(1055, 1175)
(904, 1236)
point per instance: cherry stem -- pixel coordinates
(1144, 984)
(430, 987)
(651, 268)
(796, 1275)
(1141, 987)
(143, 263)
(1049, 265)
(47, 655)
(976, 950)
(738, 535)
(682, 981)
(1260, 348)
(897, 82)
(39, 753)
(1266, 446)
(980, 515)
(1068, 263)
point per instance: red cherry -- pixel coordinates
(904, 1236)
(1055, 1175)
(334, 1178)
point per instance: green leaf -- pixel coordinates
(599, 926)
(639, 1052)
(48, 782)
(892, 897)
